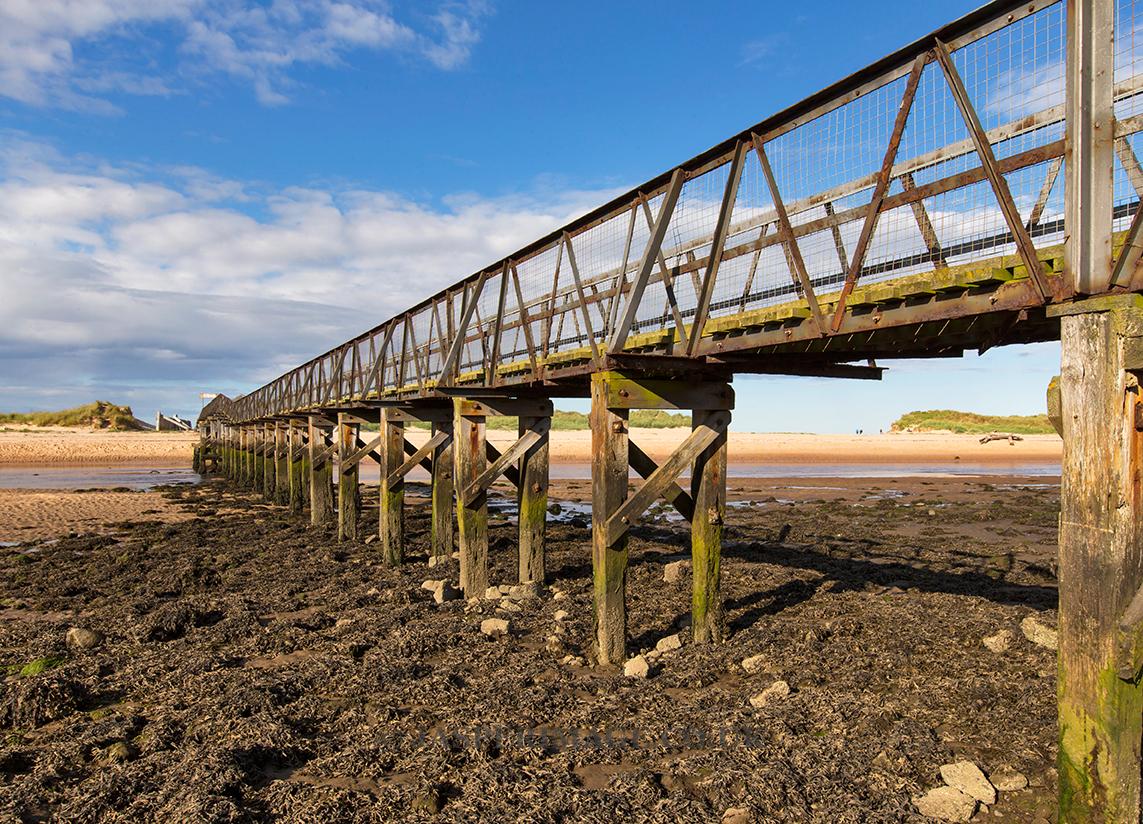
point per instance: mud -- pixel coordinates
(253, 669)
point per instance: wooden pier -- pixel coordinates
(919, 208)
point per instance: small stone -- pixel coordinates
(492, 593)
(670, 643)
(456, 556)
(572, 661)
(637, 667)
(772, 694)
(432, 584)
(1039, 633)
(431, 801)
(371, 537)
(508, 605)
(561, 615)
(119, 752)
(446, 592)
(753, 664)
(967, 777)
(554, 644)
(999, 642)
(522, 592)
(560, 596)
(80, 638)
(676, 571)
(433, 559)
(1007, 780)
(946, 804)
(372, 592)
(494, 627)
(737, 815)
(504, 589)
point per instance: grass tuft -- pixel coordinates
(948, 420)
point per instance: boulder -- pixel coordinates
(494, 627)
(676, 571)
(771, 695)
(1007, 780)
(670, 643)
(1039, 633)
(999, 642)
(946, 804)
(637, 667)
(754, 664)
(970, 780)
(80, 638)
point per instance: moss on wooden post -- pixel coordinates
(298, 490)
(269, 470)
(609, 462)
(532, 498)
(281, 464)
(392, 500)
(348, 493)
(708, 490)
(321, 476)
(443, 533)
(470, 461)
(1100, 566)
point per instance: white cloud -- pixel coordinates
(116, 280)
(42, 43)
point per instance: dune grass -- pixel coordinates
(98, 415)
(949, 420)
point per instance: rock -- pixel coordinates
(80, 638)
(1039, 633)
(572, 661)
(999, 642)
(967, 777)
(431, 801)
(771, 695)
(492, 593)
(433, 559)
(637, 667)
(522, 592)
(432, 584)
(737, 815)
(559, 596)
(946, 804)
(504, 589)
(119, 752)
(508, 606)
(494, 626)
(446, 592)
(670, 643)
(372, 536)
(753, 664)
(554, 644)
(561, 615)
(1007, 780)
(676, 571)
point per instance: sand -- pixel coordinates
(32, 514)
(65, 446)
(58, 445)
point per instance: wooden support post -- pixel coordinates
(281, 464)
(348, 492)
(269, 470)
(298, 491)
(248, 456)
(532, 497)
(470, 461)
(1101, 563)
(708, 491)
(241, 437)
(321, 475)
(392, 501)
(609, 438)
(256, 467)
(442, 495)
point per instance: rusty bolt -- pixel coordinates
(623, 393)
(617, 426)
(537, 487)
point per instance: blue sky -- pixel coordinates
(194, 196)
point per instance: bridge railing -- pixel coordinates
(948, 152)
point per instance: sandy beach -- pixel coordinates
(65, 446)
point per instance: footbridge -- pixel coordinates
(978, 187)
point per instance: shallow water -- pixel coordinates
(94, 477)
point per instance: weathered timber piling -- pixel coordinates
(299, 491)
(443, 532)
(321, 470)
(281, 463)
(258, 469)
(474, 475)
(348, 491)
(391, 526)
(614, 511)
(1101, 561)
(266, 458)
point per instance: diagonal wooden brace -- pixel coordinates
(674, 494)
(510, 456)
(420, 456)
(662, 478)
(324, 455)
(361, 453)
(511, 474)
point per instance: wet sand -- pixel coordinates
(59, 445)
